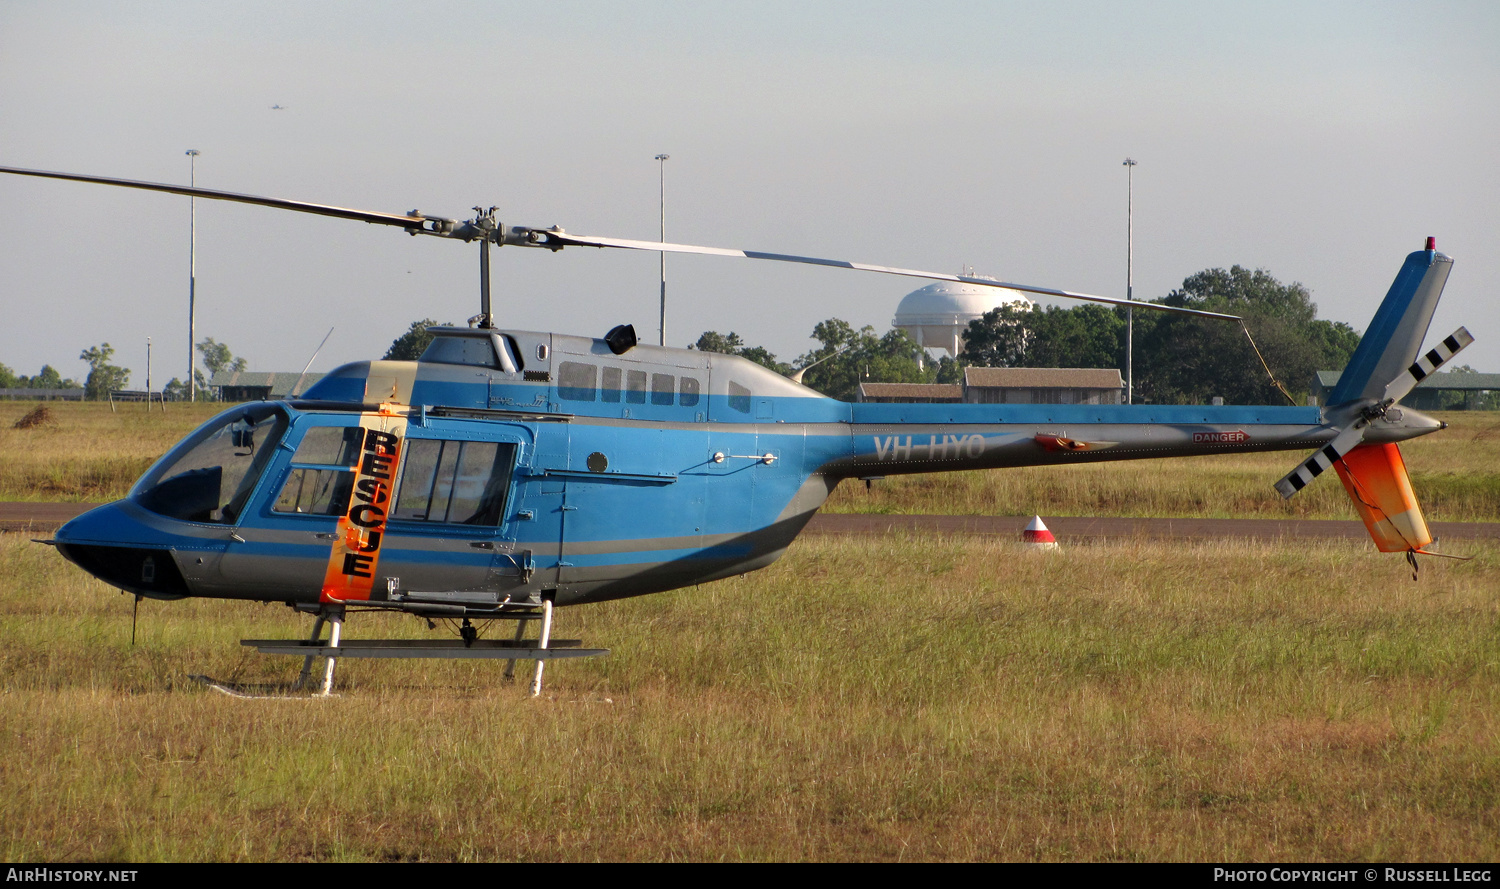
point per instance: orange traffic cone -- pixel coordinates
(1036, 535)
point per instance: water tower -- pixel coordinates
(937, 315)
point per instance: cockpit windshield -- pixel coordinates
(209, 476)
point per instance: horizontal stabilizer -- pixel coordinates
(1375, 477)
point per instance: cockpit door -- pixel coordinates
(280, 548)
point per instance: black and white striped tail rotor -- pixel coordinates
(1323, 458)
(1350, 436)
(1427, 365)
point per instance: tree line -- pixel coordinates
(105, 377)
(1178, 359)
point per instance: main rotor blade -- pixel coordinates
(555, 239)
(412, 221)
(1427, 364)
(566, 239)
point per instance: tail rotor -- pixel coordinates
(1362, 405)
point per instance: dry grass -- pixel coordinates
(875, 699)
(87, 453)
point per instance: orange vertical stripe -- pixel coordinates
(355, 556)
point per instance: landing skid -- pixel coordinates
(278, 691)
(334, 648)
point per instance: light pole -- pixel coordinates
(192, 154)
(1129, 280)
(661, 194)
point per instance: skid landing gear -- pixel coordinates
(334, 617)
(469, 645)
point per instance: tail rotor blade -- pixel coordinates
(1322, 459)
(1427, 365)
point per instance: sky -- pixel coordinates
(1321, 142)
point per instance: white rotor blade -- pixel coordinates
(661, 247)
(556, 238)
(407, 221)
(1427, 364)
(1322, 459)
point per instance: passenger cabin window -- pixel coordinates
(454, 482)
(315, 492)
(663, 389)
(635, 386)
(575, 381)
(739, 397)
(476, 351)
(609, 384)
(689, 397)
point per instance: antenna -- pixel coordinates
(796, 376)
(297, 386)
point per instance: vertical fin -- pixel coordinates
(1390, 343)
(1375, 477)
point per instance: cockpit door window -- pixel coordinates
(322, 473)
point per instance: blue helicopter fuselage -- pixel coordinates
(518, 466)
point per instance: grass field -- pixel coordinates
(91, 454)
(875, 699)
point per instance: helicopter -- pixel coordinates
(508, 472)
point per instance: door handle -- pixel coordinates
(482, 544)
(325, 535)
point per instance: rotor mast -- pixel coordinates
(485, 223)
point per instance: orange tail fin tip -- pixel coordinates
(1375, 477)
